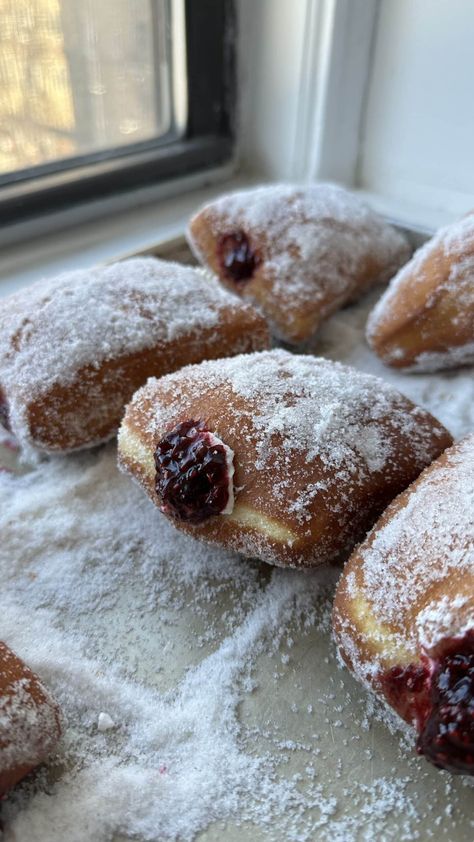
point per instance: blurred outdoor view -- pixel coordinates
(79, 76)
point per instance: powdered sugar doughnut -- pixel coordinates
(29, 720)
(299, 253)
(425, 319)
(404, 608)
(318, 450)
(75, 348)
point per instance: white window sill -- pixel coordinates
(113, 235)
(143, 223)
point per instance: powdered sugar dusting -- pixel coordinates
(449, 395)
(436, 360)
(211, 720)
(316, 239)
(208, 666)
(27, 726)
(304, 405)
(436, 523)
(96, 315)
(456, 242)
(330, 417)
(441, 620)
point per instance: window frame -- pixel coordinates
(207, 139)
(303, 117)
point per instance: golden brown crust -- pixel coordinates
(410, 584)
(53, 418)
(77, 403)
(321, 511)
(30, 723)
(322, 254)
(425, 320)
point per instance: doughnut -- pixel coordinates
(425, 319)
(284, 458)
(30, 720)
(404, 609)
(74, 349)
(298, 253)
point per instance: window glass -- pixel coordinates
(80, 77)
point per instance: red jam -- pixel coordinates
(406, 689)
(437, 696)
(237, 258)
(4, 412)
(192, 475)
(447, 735)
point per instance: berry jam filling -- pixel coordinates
(406, 689)
(236, 256)
(437, 696)
(193, 478)
(447, 736)
(4, 412)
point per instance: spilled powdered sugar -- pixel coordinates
(205, 664)
(229, 710)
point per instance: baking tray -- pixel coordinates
(247, 728)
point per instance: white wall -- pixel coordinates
(271, 37)
(418, 131)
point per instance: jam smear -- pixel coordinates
(237, 258)
(447, 736)
(192, 476)
(4, 412)
(406, 689)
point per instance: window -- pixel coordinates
(81, 78)
(375, 94)
(418, 126)
(100, 97)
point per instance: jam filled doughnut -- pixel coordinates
(74, 349)
(404, 609)
(282, 457)
(29, 720)
(425, 319)
(299, 253)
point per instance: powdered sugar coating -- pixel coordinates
(313, 241)
(315, 406)
(29, 720)
(441, 620)
(415, 572)
(318, 447)
(455, 243)
(57, 329)
(461, 355)
(99, 314)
